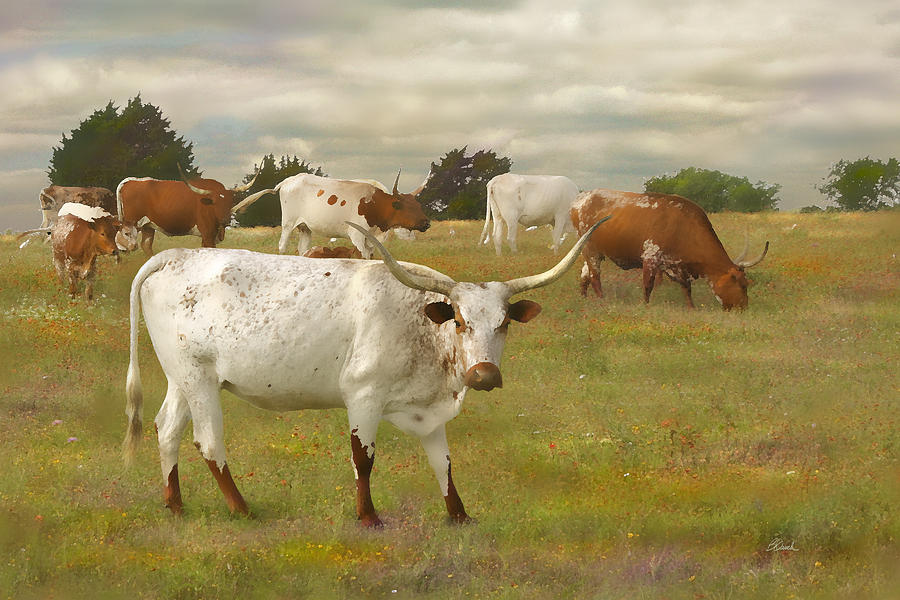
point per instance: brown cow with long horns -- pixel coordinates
(659, 233)
(195, 206)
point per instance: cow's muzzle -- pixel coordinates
(484, 376)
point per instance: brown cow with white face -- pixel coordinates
(325, 206)
(81, 234)
(195, 206)
(659, 233)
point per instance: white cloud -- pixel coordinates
(609, 94)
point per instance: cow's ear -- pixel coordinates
(439, 312)
(205, 200)
(524, 311)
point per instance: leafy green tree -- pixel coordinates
(715, 191)
(267, 210)
(111, 145)
(864, 184)
(456, 188)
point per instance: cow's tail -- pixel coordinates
(119, 197)
(487, 215)
(134, 396)
(243, 204)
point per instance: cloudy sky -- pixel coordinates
(607, 93)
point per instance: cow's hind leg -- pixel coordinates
(286, 229)
(209, 438)
(435, 444)
(512, 230)
(170, 422)
(559, 232)
(363, 428)
(498, 233)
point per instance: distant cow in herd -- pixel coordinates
(325, 206)
(53, 197)
(659, 233)
(195, 206)
(385, 340)
(81, 234)
(530, 200)
(336, 252)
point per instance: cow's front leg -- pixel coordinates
(650, 273)
(147, 235)
(435, 444)
(686, 288)
(363, 428)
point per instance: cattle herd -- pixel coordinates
(386, 340)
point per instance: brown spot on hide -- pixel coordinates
(327, 273)
(343, 202)
(320, 193)
(332, 199)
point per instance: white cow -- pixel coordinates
(325, 206)
(530, 200)
(392, 341)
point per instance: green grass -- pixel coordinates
(634, 452)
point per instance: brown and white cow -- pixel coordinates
(659, 233)
(325, 206)
(81, 234)
(53, 197)
(336, 252)
(195, 206)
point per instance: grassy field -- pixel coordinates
(634, 452)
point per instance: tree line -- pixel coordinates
(137, 141)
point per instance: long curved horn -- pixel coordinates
(417, 282)
(248, 185)
(746, 264)
(523, 284)
(396, 181)
(746, 249)
(33, 231)
(194, 188)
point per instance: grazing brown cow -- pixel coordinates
(191, 207)
(660, 233)
(336, 252)
(53, 197)
(80, 235)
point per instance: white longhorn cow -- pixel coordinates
(531, 200)
(385, 340)
(325, 206)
